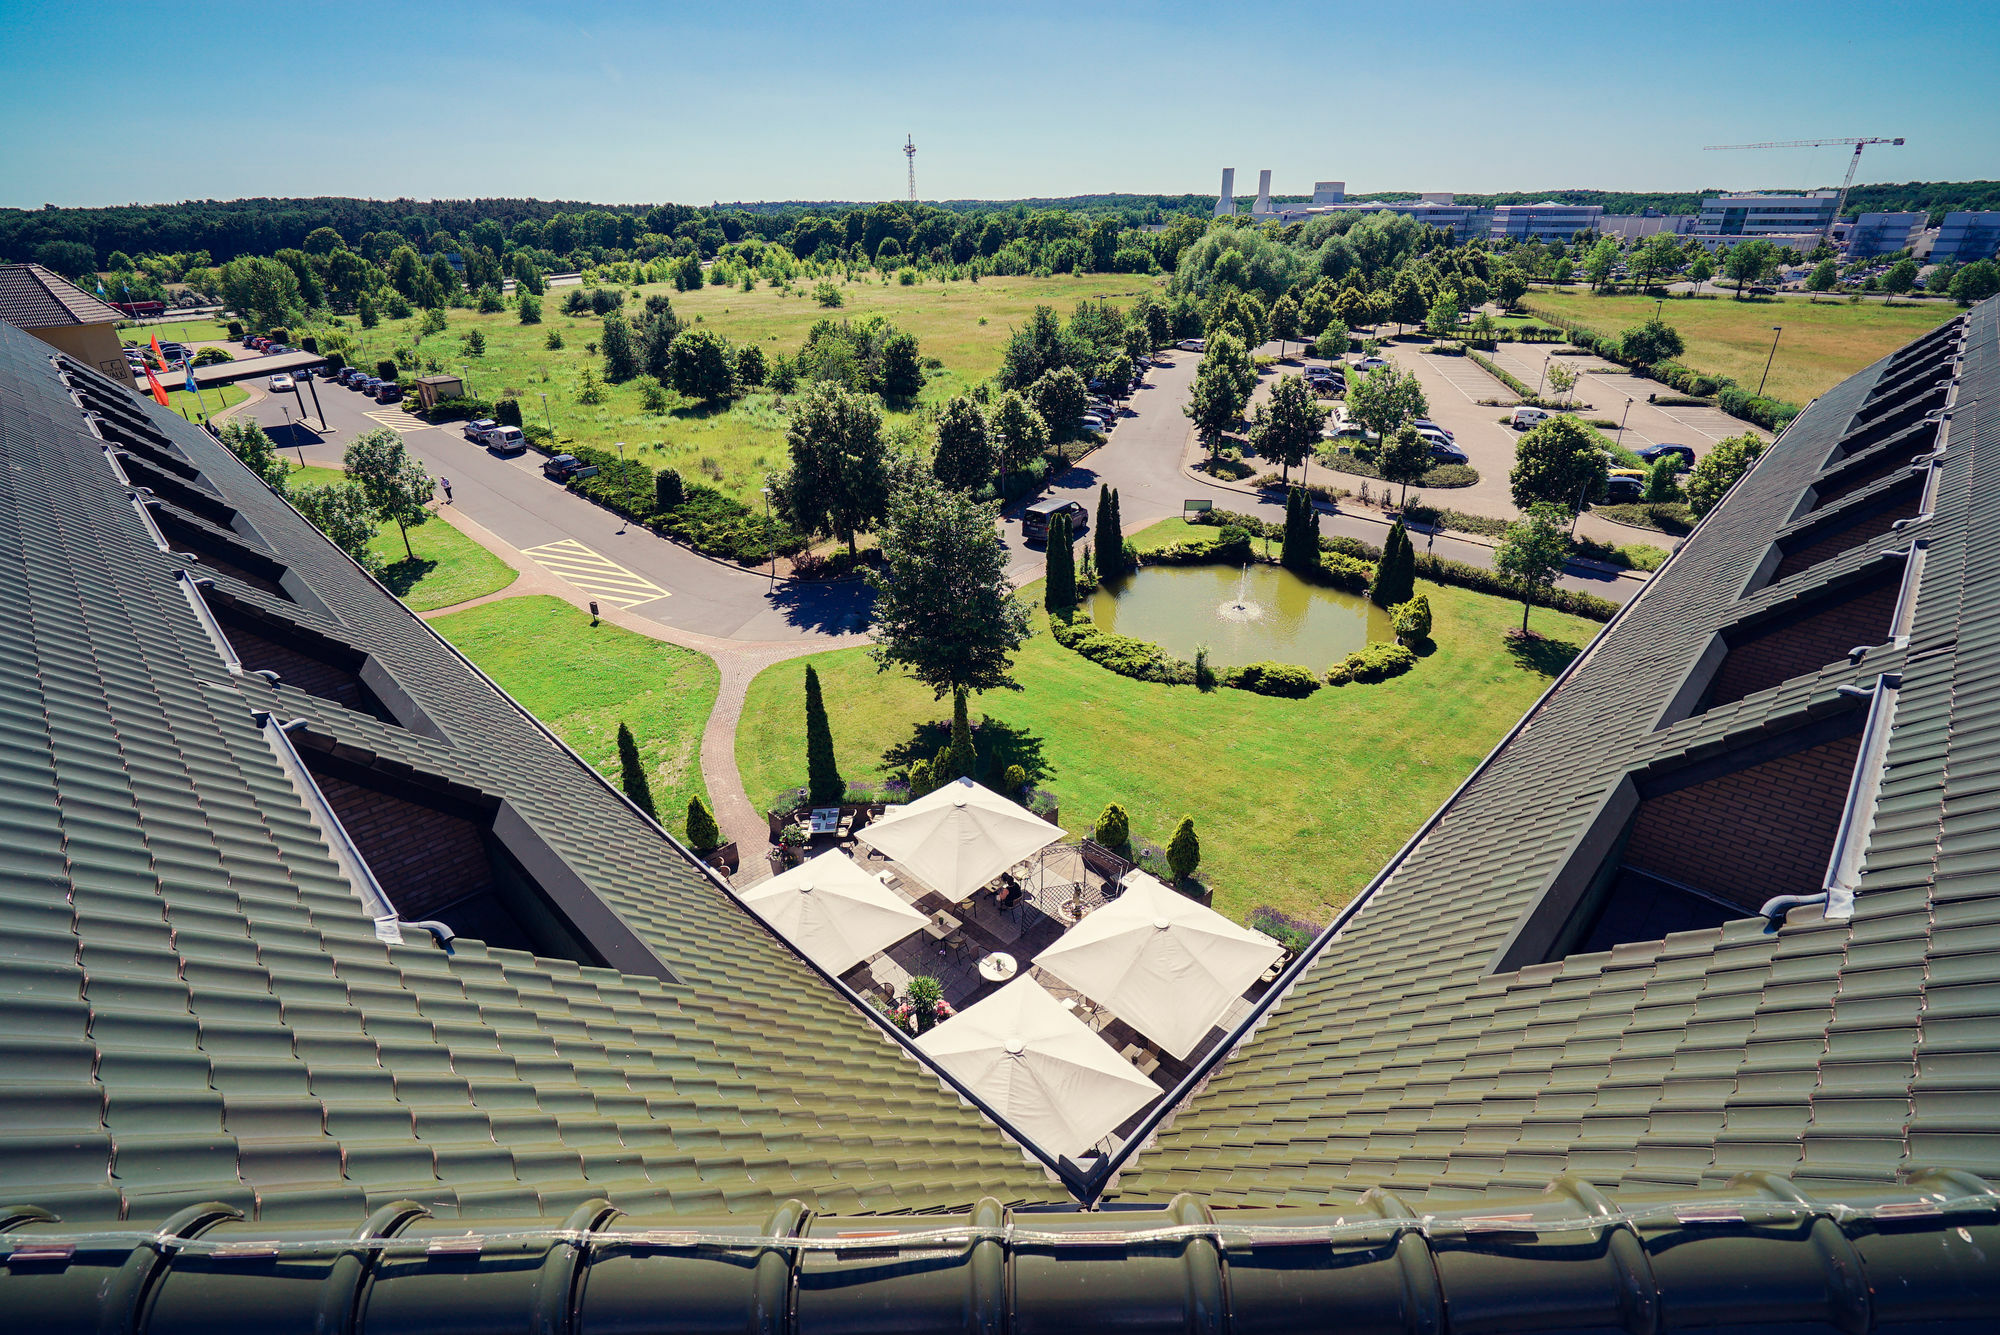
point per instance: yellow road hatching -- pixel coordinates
(595, 574)
(397, 420)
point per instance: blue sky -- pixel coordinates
(105, 104)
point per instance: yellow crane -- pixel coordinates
(1852, 164)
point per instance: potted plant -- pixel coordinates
(922, 1005)
(792, 840)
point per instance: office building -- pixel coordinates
(1752, 214)
(1967, 236)
(1874, 234)
(1547, 221)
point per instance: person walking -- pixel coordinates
(445, 482)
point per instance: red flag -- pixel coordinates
(159, 356)
(159, 395)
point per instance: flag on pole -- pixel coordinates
(153, 383)
(159, 356)
(100, 287)
(191, 387)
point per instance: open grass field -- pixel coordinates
(449, 568)
(584, 680)
(965, 325)
(1297, 802)
(200, 409)
(177, 331)
(1822, 344)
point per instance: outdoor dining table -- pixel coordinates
(998, 967)
(941, 926)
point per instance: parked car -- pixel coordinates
(1035, 520)
(565, 467)
(1625, 484)
(1426, 424)
(1525, 418)
(1192, 344)
(1444, 453)
(1652, 454)
(249, 340)
(281, 383)
(505, 440)
(368, 384)
(1367, 364)
(476, 430)
(389, 392)
(261, 343)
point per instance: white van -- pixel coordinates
(1525, 417)
(505, 440)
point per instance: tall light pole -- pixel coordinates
(548, 419)
(1777, 332)
(767, 538)
(1621, 422)
(1544, 375)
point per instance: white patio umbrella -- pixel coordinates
(1040, 1067)
(1168, 966)
(833, 911)
(959, 837)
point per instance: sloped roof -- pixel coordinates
(194, 1003)
(1831, 1049)
(202, 1033)
(32, 297)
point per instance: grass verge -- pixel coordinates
(448, 568)
(1821, 344)
(584, 680)
(1297, 802)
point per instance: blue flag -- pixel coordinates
(100, 286)
(191, 388)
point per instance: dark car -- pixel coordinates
(368, 385)
(388, 392)
(1653, 453)
(1448, 454)
(249, 340)
(1035, 520)
(564, 467)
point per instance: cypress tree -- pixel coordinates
(632, 773)
(702, 833)
(1184, 849)
(1118, 563)
(1060, 592)
(1106, 539)
(823, 781)
(1386, 589)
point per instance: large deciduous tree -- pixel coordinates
(396, 485)
(1289, 425)
(1534, 553)
(963, 460)
(1717, 471)
(1020, 435)
(945, 610)
(1559, 463)
(698, 365)
(1405, 458)
(838, 483)
(1385, 399)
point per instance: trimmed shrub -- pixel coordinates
(1413, 619)
(507, 412)
(1373, 663)
(1114, 827)
(1281, 679)
(1184, 850)
(1138, 659)
(1670, 517)
(1442, 476)
(385, 370)
(452, 410)
(703, 835)
(235, 328)
(668, 491)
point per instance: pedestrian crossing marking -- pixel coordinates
(595, 574)
(397, 420)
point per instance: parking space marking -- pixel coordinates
(1468, 378)
(396, 420)
(595, 573)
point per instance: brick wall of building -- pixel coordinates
(311, 675)
(1805, 646)
(1846, 539)
(1763, 831)
(424, 859)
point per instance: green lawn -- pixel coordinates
(584, 680)
(179, 331)
(1821, 345)
(1298, 802)
(963, 324)
(198, 408)
(449, 568)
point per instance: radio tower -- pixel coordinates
(910, 152)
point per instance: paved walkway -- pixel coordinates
(739, 661)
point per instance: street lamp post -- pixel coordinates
(548, 419)
(1621, 421)
(1777, 332)
(767, 538)
(1544, 375)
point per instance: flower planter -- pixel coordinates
(724, 858)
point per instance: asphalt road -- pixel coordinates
(510, 498)
(1142, 461)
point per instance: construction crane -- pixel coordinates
(1853, 163)
(910, 152)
